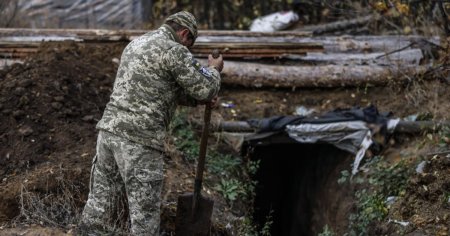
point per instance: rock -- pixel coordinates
(25, 130)
(56, 105)
(10, 84)
(18, 113)
(420, 167)
(390, 200)
(25, 82)
(59, 98)
(24, 100)
(19, 91)
(88, 118)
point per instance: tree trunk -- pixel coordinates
(403, 57)
(263, 75)
(338, 26)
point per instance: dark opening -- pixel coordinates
(298, 184)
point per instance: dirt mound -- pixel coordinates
(49, 107)
(44, 100)
(424, 208)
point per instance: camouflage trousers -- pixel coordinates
(121, 166)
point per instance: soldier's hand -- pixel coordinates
(213, 103)
(216, 62)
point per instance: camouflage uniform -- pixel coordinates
(156, 74)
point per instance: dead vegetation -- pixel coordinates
(60, 209)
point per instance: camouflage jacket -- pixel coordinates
(156, 73)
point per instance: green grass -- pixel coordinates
(384, 180)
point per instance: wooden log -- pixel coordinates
(346, 43)
(403, 127)
(366, 44)
(204, 36)
(8, 62)
(100, 32)
(290, 76)
(339, 26)
(410, 56)
(127, 35)
(416, 127)
(342, 44)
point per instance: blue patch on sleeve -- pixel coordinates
(203, 70)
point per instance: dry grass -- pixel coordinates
(60, 208)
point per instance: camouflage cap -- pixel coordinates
(185, 19)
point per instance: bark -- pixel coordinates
(116, 35)
(403, 57)
(367, 44)
(284, 76)
(339, 26)
(331, 44)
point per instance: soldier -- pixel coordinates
(156, 73)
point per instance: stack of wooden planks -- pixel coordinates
(286, 59)
(19, 43)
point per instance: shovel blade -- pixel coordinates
(197, 223)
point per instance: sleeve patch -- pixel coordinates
(203, 70)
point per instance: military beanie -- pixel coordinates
(185, 19)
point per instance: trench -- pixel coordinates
(297, 186)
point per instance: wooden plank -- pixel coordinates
(271, 45)
(252, 50)
(127, 34)
(252, 56)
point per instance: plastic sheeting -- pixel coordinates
(114, 14)
(354, 137)
(350, 130)
(274, 22)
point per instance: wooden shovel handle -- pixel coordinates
(202, 152)
(203, 142)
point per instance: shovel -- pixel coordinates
(194, 210)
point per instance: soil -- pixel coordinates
(425, 205)
(49, 107)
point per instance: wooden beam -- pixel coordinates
(116, 35)
(403, 127)
(202, 50)
(255, 49)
